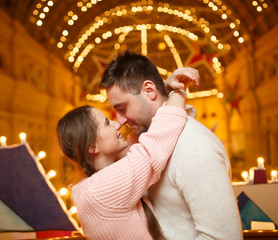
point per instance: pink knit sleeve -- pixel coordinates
(123, 183)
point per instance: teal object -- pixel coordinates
(249, 211)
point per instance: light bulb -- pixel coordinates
(260, 161)
(51, 174)
(245, 176)
(42, 154)
(73, 210)
(274, 175)
(63, 191)
(3, 141)
(22, 137)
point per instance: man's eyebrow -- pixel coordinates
(117, 105)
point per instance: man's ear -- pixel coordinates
(149, 89)
(94, 149)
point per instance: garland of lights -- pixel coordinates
(100, 21)
(161, 8)
(43, 8)
(147, 6)
(102, 96)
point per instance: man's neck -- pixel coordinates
(161, 100)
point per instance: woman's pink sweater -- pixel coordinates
(108, 203)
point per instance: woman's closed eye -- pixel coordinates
(107, 122)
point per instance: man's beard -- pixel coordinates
(146, 120)
(142, 129)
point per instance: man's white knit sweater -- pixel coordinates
(194, 198)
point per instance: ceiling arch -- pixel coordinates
(87, 34)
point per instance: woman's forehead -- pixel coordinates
(98, 114)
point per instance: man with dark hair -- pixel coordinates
(194, 198)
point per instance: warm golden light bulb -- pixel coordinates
(254, 3)
(39, 23)
(220, 95)
(46, 9)
(80, 59)
(224, 16)
(51, 174)
(42, 154)
(50, 3)
(232, 25)
(73, 210)
(71, 59)
(65, 33)
(220, 45)
(63, 191)
(3, 141)
(241, 39)
(161, 46)
(236, 33)
(260, 161)
(274, 175)
(245, 176)
(60, 45)
(22, 136)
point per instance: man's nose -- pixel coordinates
(121, 119)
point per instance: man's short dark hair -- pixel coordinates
(129, 71)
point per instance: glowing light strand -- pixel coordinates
(121, 10)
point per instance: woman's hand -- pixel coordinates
(181, 78)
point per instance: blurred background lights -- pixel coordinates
(42, 154)
(51, 174)
(63, 191)
(22, 137)
(73, 210)
(3, 141)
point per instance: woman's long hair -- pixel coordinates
(77, 132)
(153, 225)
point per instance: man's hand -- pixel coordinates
(181, 78)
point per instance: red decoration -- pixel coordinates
(53, 234)
(202, 52)
(233, 97)
(259, 176)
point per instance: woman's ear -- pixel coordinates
(94, 149)
(149, 89)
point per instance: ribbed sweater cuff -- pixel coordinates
(172, 110)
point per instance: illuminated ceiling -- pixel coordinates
(87, 34)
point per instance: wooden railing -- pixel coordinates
(260, 234)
